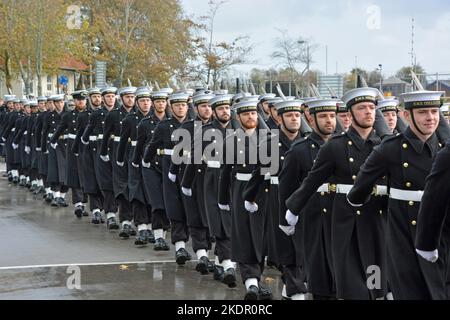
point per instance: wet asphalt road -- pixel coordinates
(47, 253)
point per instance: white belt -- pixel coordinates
(213, 164)
(92, 138)
(116, 139)
(273, 180)
(243, 176)
(343, 188)
(133, 143)
(324, 188)
(13, 129)
(406, 195)
(165, 152)
(71, 136)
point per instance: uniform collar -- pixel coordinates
(360, 142)
(418, 145)
(316, 138)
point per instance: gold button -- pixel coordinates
(405, 146)
(414, 222)
(322, 194)
(353, 178)
(267, 190)
(409, 184)
(351, 160)
(350, 143)
(358, 213)
(325, 210)
(411, 203)
(406, 165)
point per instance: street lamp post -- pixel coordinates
(381, 77)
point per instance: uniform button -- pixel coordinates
(405, 146)
(358, 213)
(103, 122)
(406, 165)
(214, 141)
(244, 165)
(324, 210)
(313, 146)
(411, 203)
(440, 145)
(171, 126)
(414, 222)
(239, 140)
(282, 158)
(322, 194)
(267, 190)
(241, 152)
(350, 143)
(213, 130)
(353, 178)
(153, 131)
(279, 144)
(351, 160)
(199, 170)
(156, 163)
(381, 211)
(408, 184)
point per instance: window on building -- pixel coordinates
(49, 83)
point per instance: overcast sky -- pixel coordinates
(349, 28)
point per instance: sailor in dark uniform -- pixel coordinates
(219, 221)
(445, 109)
(266, 185)
(162, 144)
(151, 177)
(194, 204)
(406, 159)
(18, 143)
(358, 237)
(30, 148)
(43, 156)
(389, 108)
(56, 175)
(247, 237)
(67, 130)
(315, 228)
(92, 138)
(128, 141)
(5, 115)
(111, 133)
(7, 138)
(264, 106)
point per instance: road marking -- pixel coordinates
(86, 264)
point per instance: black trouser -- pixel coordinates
(293, 279)
(180, 231)
(223, 249)
(125, 212)
(142, 213)
(200, 238)
(159, 220)
(34, 175)
(56, 187)
(95, 201)
(78, 196)
(251, 270)
(109, 202)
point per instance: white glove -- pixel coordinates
(46, 152)
(38, 149)
(430, 256)
(187, 192)
(120, 164)
(84, 142)
(104, 158)
(172, 177)
(135, 165)
(146, 164)
(288, 230)
(54, 145)
(3, 139)
(15, 146)
(76, 154)
(291, 218)
(251, 207)
(27, 149)
(224, 207)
